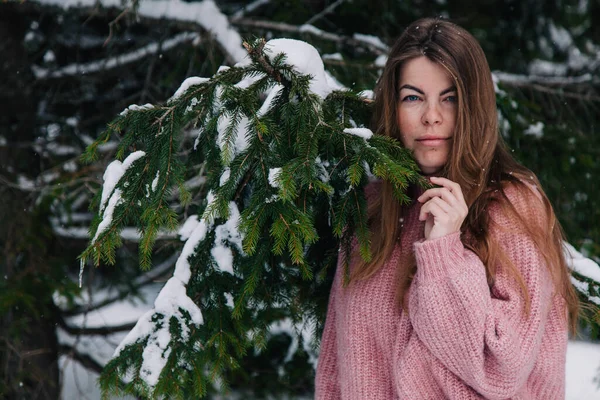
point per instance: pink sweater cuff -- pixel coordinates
(440, 257)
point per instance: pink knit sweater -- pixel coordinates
(460, 339)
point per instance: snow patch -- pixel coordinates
(372, 40)
(227, 233)
(155, 181)
(547, 68)
(580, 264)
(114, 172)
(185, 231)
(185, 85)
(364, 133)
(268, 103)
(273, 174)
(381, 60)
(306, 60)
(224, 176)
(333, 56)
(135, 107)
(536, 129)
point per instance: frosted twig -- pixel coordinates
(249, 8)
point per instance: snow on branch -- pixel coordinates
(524, 80)
(250, 7)
(129, 233)
(206, 14)
(583, 85)
(363, 41)
(584, 267)
(114, 62)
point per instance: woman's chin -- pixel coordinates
(430, 170)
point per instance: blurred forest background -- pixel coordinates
(67, 70)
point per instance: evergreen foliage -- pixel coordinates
(293, 188)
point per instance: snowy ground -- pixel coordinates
(583, 368)
(583, 358)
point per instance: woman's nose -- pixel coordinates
(431, 115)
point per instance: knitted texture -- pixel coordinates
(460, 339)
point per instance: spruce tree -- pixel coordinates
(285, 158)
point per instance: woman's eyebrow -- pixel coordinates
(450, 89)
(443, 92)
(412, 88)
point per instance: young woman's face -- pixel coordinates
(427, 112)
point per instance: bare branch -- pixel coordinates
(113, 23)
(327, 10)
(85, 360)
(102, 330)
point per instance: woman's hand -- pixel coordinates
(444, 208)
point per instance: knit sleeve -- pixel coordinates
(327, 385)
(483, 335)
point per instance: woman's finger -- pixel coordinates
(434, 208)
(450, 185)
(442, 192)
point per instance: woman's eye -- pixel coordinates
(411, 97)
(451, 99)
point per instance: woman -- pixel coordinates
(467, 295)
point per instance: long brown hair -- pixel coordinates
(479, 161)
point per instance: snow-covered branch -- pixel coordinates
(113, 62)
(523, 80)
(583, 86)
(356, 41)
(131, 234)
(249, 8)
(584, 267)
(205, 15)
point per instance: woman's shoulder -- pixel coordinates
(523, 198)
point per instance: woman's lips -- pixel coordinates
(432, 142)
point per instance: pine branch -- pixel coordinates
(256, 51)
